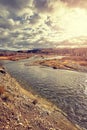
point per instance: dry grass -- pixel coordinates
(2, 90)
(5, 96)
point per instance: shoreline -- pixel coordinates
(42, 114)
(59, 64)
(64, 62)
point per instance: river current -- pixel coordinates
(67, 89)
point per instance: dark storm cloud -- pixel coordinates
(14, 4)
(4, 24)
(41, 4)
(44, 5)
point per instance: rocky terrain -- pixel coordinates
(21, 110)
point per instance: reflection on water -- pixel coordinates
(67, 89)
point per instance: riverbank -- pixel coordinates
(67, 63)
(77, 63)
(20, 109)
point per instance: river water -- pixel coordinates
(67, 89)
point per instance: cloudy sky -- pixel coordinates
(28, 24)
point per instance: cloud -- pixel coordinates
(34, 18)
(47, 6)
(76, 3)
(15, 7)
(4, 23)
(8, 23)
(4, 33)
(37, 23)
(14, 4)
(3, 12)
(42, 5)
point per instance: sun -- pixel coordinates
(74, 22)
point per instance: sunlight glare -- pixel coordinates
(75, 22)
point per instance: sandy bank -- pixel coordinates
(66, 64)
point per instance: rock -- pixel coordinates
(54, 67)
(2, 71)
(29, 127)
(35, 101)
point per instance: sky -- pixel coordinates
(29, 24)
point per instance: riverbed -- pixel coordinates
(67, 89)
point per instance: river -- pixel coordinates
(67, 89)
